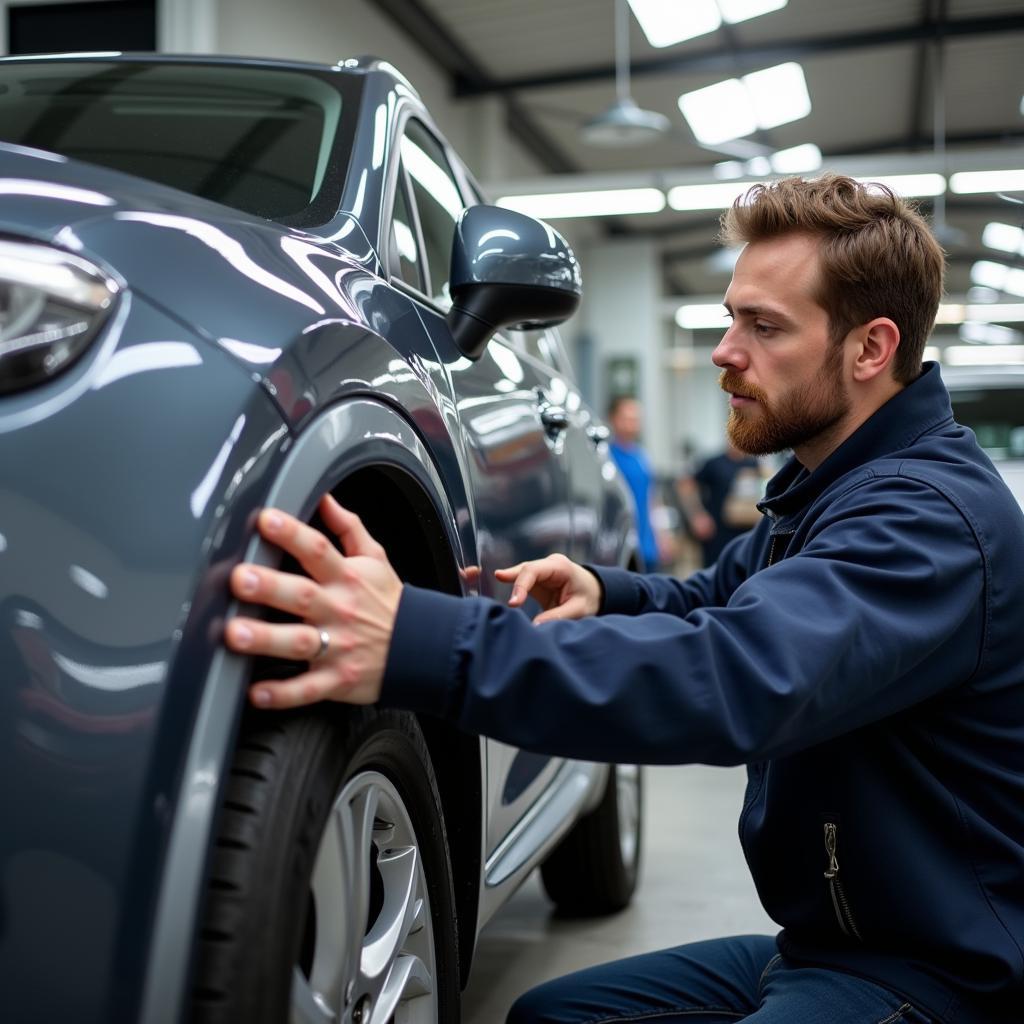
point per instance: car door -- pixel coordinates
(508, 422)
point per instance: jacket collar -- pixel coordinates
(919, 407)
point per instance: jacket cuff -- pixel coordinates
(419, 671)
(619, 592)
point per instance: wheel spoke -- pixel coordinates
(307, 1007)
(335, 935)
(357, 832)
(398, 869)
(627, 792)
(408, 979)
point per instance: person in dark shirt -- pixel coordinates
(720, 499)
(859, 650)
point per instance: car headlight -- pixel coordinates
(52, 304)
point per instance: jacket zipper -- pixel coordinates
(779, 546)
(842, 907)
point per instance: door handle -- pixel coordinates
(554, 418)
(598, 433)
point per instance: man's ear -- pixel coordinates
(876, 345)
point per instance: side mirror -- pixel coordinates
(508, 270)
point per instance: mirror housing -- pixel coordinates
(507, 270)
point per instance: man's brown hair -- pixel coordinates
(878, 255)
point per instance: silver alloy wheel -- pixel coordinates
(369, 971)
(627, 792)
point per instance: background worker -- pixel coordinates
(625, 419)
(860, 650)
(720, 499)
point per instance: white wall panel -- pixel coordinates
(329, 30)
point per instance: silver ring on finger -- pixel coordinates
(325, 642)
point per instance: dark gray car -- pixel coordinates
(226, 284)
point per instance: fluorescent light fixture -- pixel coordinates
(989, 274)
(603, 203)
(910, 184)
(1004, 237)
(702, 315)
(665, 23)
(779, 94)
(707, 197)
(966, 182)
(979, 293)
(930, 353)
(720, 112)
(796, 159)
(988, 313)
(759, 166)
(699, 316)
(989, 355)
(734, 11)
(988, 334)
(727, 169)
(738, 106)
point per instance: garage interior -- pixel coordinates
(925, 94)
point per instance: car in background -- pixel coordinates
(990, 400)
(227, 284)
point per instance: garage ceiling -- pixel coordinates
(871, 70)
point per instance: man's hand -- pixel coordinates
(350, 599)
(562, 588)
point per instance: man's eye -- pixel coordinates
(764, 329)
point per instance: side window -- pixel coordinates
(540, 344)
(437, 201)
(404, 255)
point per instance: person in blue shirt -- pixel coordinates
(860, 650)
(625, 419)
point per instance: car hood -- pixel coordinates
(185, 253)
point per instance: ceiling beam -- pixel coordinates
(416, 22)
(747, 57)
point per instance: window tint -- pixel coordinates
(404, 259)
(540, 344)
(437, 201)
(260, 140)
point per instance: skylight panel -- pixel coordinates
(720, 112)
(738, 106)
(667, 23)
(779, 94)
(734, 11)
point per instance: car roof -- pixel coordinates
(351, 65)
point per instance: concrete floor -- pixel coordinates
(694, 885)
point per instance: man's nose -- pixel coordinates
(729, 352)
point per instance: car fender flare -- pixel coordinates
(354, 434)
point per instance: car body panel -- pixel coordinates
(98, 612)
(247, 362)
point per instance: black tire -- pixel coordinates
(594, 870)
(260, 930)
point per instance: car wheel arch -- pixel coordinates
(357, 449)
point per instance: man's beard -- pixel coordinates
(799, 416)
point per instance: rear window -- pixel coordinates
(996, 415)
(261, 140)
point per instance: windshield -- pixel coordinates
(257, 139)
(996, 415)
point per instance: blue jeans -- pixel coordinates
(721, 980)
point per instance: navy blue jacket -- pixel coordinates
(861, 649)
